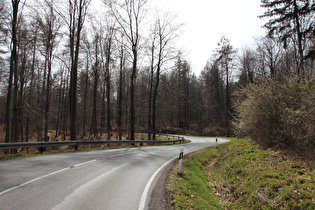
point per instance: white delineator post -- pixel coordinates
(180, 162)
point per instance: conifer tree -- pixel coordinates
(290, 19)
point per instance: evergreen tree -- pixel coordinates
(290, 19)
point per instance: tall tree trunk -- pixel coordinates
(300, 37)
(46, 88)
(119, 121)
(227, 115)
(103, 108)
(31, 89)
(38, 104)
(74, 66)
(154, 103)
(60, 99)
(48, 95)
(13, 71)
(94, 114)
(150, 95)
(65, 103)
(157, 82)
(21, 94)
(96, 78)
(43, 98)
(15, 122)
(85, 96)
(132, 93)
(73, 102)
(109, 127)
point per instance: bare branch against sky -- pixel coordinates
(207, 20)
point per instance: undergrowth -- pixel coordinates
(240, 175)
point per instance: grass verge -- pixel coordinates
(240, 175)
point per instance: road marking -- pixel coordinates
(33, 180)
(84, 163)
(147, 187)
(44, 176)
(111, 156)
(71, 201)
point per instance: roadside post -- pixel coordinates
(216, 140)
(180, 161)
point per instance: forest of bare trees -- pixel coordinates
(75, 73)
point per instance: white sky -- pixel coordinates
(207, 20)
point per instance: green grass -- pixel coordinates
(240, 175)
(191, 188)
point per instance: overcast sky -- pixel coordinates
(207, 20)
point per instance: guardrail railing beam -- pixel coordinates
(17, 145)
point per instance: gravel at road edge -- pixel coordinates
(161, 196)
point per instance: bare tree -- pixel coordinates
(31, 86)
(269, 52)
(108, 54)
(96, 74)
(122, 60)
(86, 81)
(4, 19)
(247, 62)
(129, 15)
(24, 49)
(13, 71)
(151, 80)
(77, 13)
(163, 33)
(49, 25)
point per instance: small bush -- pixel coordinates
(280, 115)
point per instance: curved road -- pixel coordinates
(104, 179)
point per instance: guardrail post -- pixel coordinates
(41, 149)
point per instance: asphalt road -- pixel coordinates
(106, 179)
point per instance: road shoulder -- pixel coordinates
(161, 196)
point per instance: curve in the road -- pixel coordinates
(105, 179)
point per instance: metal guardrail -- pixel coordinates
(17, 145)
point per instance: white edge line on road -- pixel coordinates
(84, 163)
(44, 176)
(147, 187)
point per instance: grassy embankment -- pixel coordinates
(240, 175)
